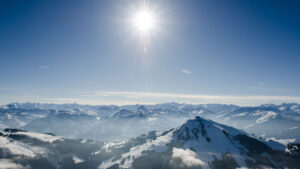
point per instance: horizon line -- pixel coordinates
(151, 98)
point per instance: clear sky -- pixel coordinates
(240, 52)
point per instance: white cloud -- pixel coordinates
(186, 71)
(42, 137)
(188, 157)
(77, 159)
(15, 148)
(8, 164)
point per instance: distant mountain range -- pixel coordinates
(119, 123)
(197, 143)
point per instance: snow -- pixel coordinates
(83, 141)
(295, 107)
(158, 145)
(151, 119)
(112, 144)
(4, 107)
(38, 115)
(21, 123)
(248, 126)
(218, 145)
(9, 116)
(282, 141)
(91, 113)
(274, 144)
(109, 145)
(123, 113)
(292, 128)
(107, 163)
(163, 112)
(266, 116)
(258, 113)
(240, 114)
(204, 151)
(77, 159)
(198, 112)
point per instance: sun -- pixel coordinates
(144, 21)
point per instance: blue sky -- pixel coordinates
(240, 52)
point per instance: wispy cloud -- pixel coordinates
(43, 67)
(156, 97)
(186, 71)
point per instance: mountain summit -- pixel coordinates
(201, 143)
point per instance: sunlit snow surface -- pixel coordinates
(203, 150)
(264, 116)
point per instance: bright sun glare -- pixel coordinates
(144, 21)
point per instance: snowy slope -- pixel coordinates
(200, 143)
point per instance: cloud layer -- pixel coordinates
(187, 156)
(132, 97)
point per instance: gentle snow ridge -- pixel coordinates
(266, 116)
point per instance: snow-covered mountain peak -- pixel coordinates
(201, 128)
(205, 141)
(124, 113)
(143, 109)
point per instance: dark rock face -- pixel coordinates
(253, 145)
(227, 162)
(188, 133)
(12, 130)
